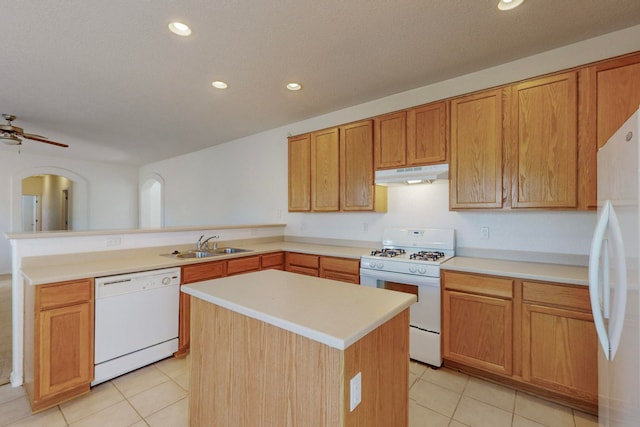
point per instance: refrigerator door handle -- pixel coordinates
(594, 273)
(620, 287)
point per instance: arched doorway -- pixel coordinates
(74, 200)
(46, 202)
(152, 202)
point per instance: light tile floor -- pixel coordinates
(157, 395)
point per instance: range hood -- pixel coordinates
(412, 175)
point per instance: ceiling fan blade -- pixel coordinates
(43, 139)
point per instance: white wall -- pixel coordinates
(245, 181)
(112, 192)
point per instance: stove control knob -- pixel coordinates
(412, 268)
(372, 264)
(380, 265)
(422, 270)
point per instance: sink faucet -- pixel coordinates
(202, 245)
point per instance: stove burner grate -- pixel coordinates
(387, 252)
(427, 255)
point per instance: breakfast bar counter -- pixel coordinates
(279, 348)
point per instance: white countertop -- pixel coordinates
(570, 274)
(334, 313)
(97, 264)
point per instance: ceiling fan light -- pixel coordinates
(10, 139)
(179, 29)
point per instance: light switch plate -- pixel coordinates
(356, 391)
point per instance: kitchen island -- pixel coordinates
(274, 348)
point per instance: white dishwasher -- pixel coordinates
(136, 321)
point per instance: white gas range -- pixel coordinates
(409, 261)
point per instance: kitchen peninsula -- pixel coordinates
(277, 348)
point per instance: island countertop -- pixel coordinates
(333, 313)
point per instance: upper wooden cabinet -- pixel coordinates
(612, 89)
(609, 94)
(356, 171)
(543, 142)
(325, 170)
(475, 171)
(390, 140)
(417, 136)
(300, 173)
(427, 134)
(340, 172)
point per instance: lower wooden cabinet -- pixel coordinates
(302, 263)
(274, 261)
(342, 269)
(58, 356)
(478, 320)
(190, 274)
(559, 340)
(536, 336)
(245, 264)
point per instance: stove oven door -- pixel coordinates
(424, 331)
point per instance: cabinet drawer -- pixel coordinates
(205, 271)
(303, 260)
(64, 293)
(303, 270)
(343, 265)
(273, 260)
(477, 284)
(243, 265)
(576, 297)
(342, 277)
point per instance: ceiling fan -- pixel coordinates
(13, 135)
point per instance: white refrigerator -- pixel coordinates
(614, 278)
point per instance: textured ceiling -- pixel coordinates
(108, 78)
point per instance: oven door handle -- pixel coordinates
(407, 279)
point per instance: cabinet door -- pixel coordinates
(427, 134)
(302, 263)
(390, 140)
(356, 167)
(190, 274)
(325, 170)
(64, 360)
(342, 269)
(475, 176)
(273, 261)
(203, 271)
(544, 142)
(478, 331)
(243, 264)
(300, 173)
(610, 93)
(560, 350)
(616, 87)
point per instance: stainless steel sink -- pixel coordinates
(222, 251)
(209, 253)
(196, 254)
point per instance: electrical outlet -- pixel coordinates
(484, 233)
(356, 391)
(114, 241)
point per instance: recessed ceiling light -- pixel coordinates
(179, 28)
(509, 4)
(294, 86)
(219, 85)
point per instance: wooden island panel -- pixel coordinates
(251, 373)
